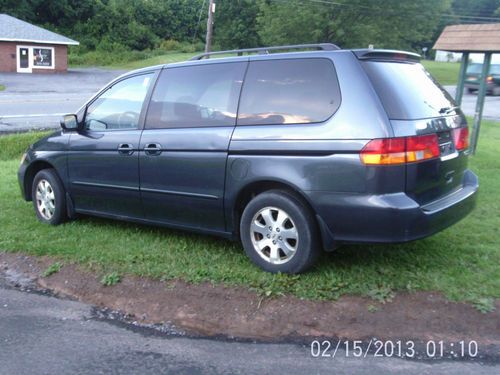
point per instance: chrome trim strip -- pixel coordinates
(109, 186)
(180, 193)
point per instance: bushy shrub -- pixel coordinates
(170, 45)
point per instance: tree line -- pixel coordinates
(148, 24)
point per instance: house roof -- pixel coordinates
(470, 38)
(15, 30)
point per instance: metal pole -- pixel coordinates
(210, 24)
(461, 78)
(480, 102)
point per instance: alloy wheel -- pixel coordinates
(45, 199)
(274, 235)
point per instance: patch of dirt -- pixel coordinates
(237, 312)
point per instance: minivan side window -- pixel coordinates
(196, 96)
(119, 107)
(294, 91)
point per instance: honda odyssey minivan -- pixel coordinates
(288, 149)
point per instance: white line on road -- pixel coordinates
(38, 115)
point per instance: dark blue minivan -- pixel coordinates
(290, 152)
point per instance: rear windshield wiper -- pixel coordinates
(446, 110)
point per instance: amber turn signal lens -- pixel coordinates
(402, 150)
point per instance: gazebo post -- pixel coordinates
(478, 114)
(461, 78)
(480, 38)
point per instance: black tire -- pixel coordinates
(59, 213)
(307, 245)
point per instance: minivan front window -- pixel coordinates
(119, 107)
(408, 91)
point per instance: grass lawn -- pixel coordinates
(446, 73)
(2, 87)
(462, 261)
(157, 60)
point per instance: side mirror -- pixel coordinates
(69, 122)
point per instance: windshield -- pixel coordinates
(407, 90)
(474, 69)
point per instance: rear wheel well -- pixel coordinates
(252, 190)
(30, 174)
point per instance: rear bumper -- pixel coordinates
(391, 217)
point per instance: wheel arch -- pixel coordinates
(30, 174)
(254, 188)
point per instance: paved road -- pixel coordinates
(44, 335)
(491, 108)
(50, 95)
(29, 95)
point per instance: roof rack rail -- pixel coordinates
(265, 50)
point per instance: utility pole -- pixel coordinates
(210, 24)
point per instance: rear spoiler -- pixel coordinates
(386, 55)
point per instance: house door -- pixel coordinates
(23, 60)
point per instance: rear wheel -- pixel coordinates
(279, 233)
(48, 197)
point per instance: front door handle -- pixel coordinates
(125, 149)
(152, 149)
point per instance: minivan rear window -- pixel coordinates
(293, 91)
(407, 90)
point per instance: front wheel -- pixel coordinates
(48, 197)
(279, 233)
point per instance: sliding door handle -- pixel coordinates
(125, 149)
(152, 149)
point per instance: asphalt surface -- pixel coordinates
(491, 109)
(40, 334)
(34, 101)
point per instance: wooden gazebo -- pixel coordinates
(482, 38)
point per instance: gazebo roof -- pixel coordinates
(470, 38)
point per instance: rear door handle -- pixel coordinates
(152, 149)
(125, 149)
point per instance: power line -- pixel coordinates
(199, 20)
(365, 8)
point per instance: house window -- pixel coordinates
(43, 57)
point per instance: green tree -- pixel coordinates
(235, 24)
(354, 23)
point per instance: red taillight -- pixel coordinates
(422, 147)
(400, 150)
(384, 151)
(461, 138)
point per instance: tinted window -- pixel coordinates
(289, 92)
(477, 69)
(474, 68)
(495, 69)
(193, 96)
(119, 107)
(407, 91)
